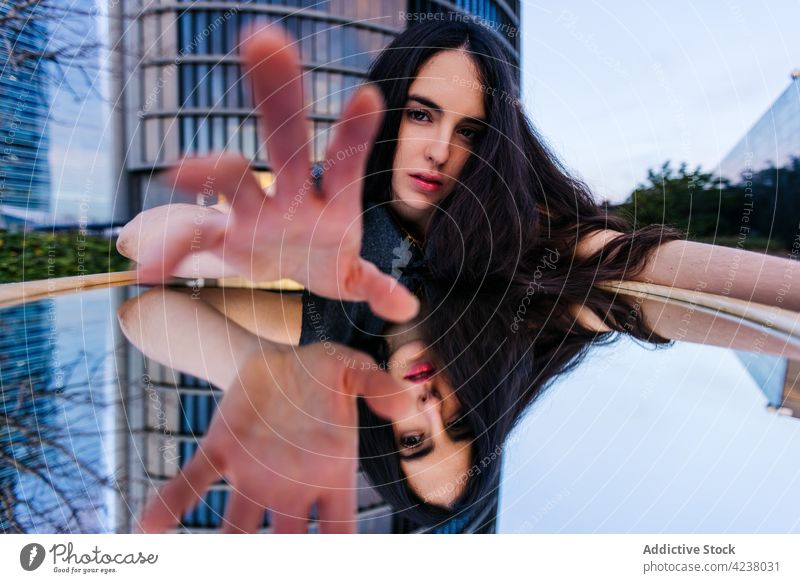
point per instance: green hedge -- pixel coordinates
(34, 255)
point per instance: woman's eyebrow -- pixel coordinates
(438, 108)
(417, 454)
(425, 101)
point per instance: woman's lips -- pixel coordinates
(425, 184)
(420, 372)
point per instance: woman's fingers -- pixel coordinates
(285, 522)
(164, 510)
(336, 510)
(205, 234)
(243, 515)
(224, 174)
(272, 64)
(349, 149)
(387, 298)
(383, 394)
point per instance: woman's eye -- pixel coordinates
(460, 423)
(410, 441)
(418, 115)
(470, 134)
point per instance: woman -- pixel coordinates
(512, 247)
(320, 314)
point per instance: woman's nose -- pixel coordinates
(428, 396)
(437, 152)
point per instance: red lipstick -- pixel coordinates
(420, 372)
(426, 181)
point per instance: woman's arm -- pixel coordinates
(692, 325)
(187, 334)
(270, 315)
(745, 275)
(208, 333)
(713, 269)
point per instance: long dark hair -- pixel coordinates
(502, 279)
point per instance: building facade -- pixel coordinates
(24, 167)
(182, 93)
(773, 141)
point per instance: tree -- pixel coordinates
(48, 33)
(706, 207)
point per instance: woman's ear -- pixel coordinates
(586, 318)
(594, 242)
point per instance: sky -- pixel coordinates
(637, 440)
(80, 132)
(619, 87)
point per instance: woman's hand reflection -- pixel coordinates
(284, 437)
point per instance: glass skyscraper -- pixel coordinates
(24, 168)
(773, 141)
(25, 331)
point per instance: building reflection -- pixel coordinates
(26, 406)
(765, 165)
(56, 443)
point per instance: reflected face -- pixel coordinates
(433, 440)
(443, 119)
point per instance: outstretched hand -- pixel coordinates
(301, 232)
(284, 437)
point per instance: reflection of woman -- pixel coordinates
(512, 247)
(431, 436)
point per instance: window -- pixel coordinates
(231, 27)
(321, 40)
(188, 96)
(336, 45)
(200, 44)
(204, 135)
(249, 137)
(320, 92)
(216, 84)
(185, 31)
(219, 139)
(152, 139)
(234, 133)
(217, 34)
(321, 131)
(336, 93)
(307, 40)
(227, 86)
(203, 86)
